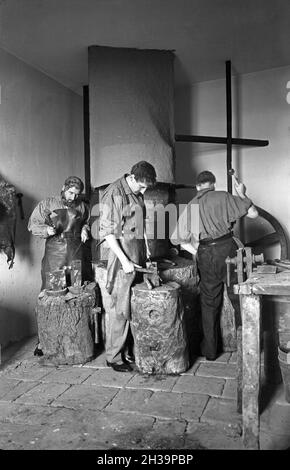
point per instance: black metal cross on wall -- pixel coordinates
(229, 141)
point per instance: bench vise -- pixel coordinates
(244, 262)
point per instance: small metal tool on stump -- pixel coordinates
(151, 276)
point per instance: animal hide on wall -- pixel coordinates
(7, 220)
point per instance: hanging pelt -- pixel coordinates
(7, 220)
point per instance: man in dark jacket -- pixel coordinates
(207, 233)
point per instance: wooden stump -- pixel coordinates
(65, 326)
(158, 329)
(185, 274)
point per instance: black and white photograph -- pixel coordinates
(145, 230)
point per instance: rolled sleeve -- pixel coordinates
(111, 216)
(86, 218)
(187, 227)
(36, 223)
(237, 207)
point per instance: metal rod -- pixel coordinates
(220, 140)
(229, 141)
(229, 123)
(86, 126)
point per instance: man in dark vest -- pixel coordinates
(207, 234)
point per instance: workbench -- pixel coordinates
(250, 292)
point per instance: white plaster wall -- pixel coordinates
(41, 143)
(260, 111)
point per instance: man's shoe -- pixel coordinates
(38, 351)
(120, 367)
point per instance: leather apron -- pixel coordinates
(64, 247)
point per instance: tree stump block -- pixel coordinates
(65, 326)
(158, 329)
(185, 274)
(183, 271)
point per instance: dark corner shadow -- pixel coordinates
(99, 349)
(192, 326)
(271, 378)
(267, 393)
(23, 239)
(25, 326)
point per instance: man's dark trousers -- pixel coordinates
(212, 270)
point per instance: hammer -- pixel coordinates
(151, 276)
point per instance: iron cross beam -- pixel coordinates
(229, 141)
